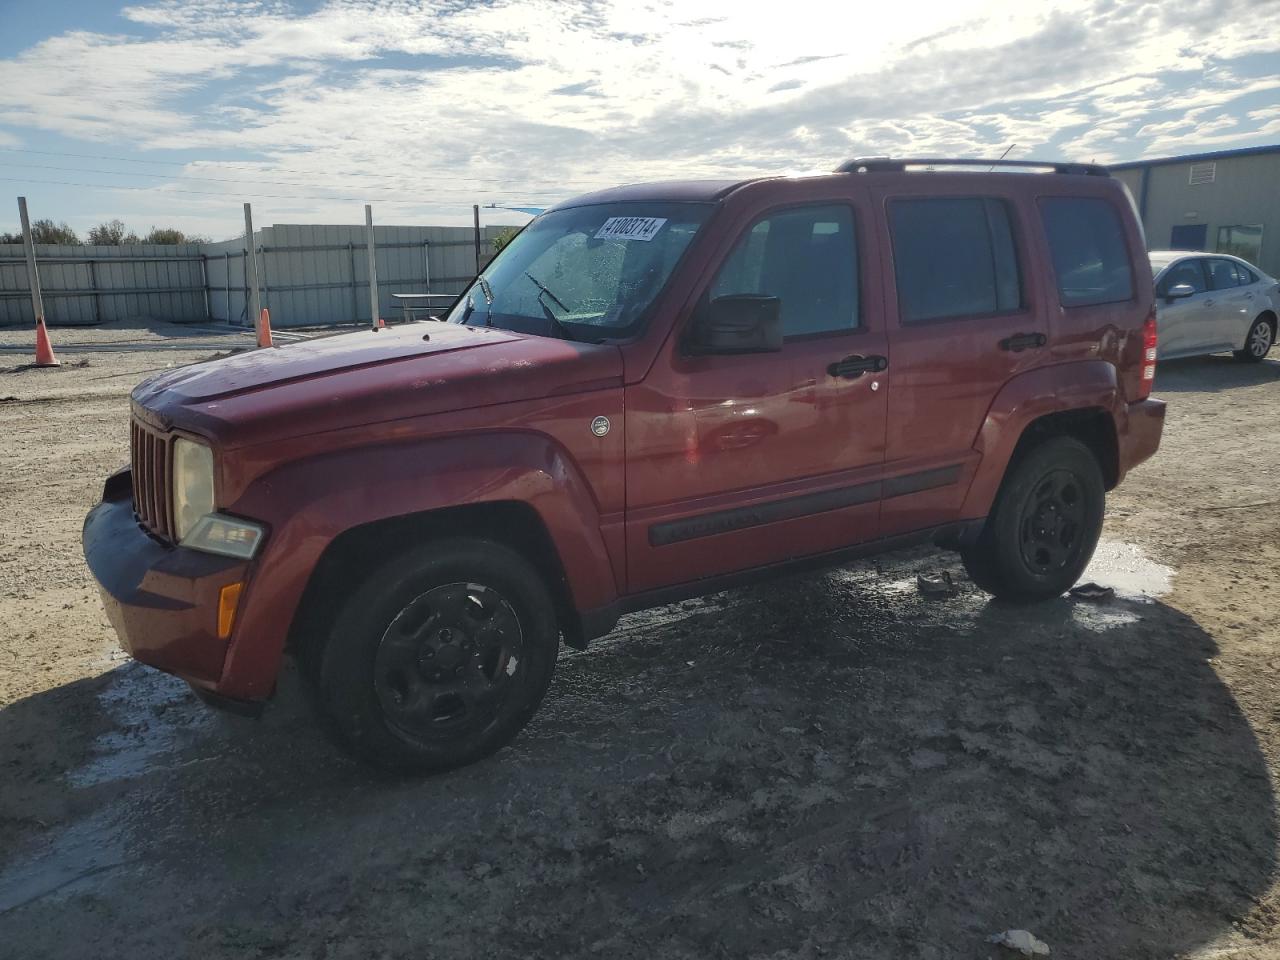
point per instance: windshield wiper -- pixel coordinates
(545, 289)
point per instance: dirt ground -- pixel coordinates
(831, 766)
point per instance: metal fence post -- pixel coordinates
(33, 272)
(373, 266)
(226, 282)
(204, 282)
(251, 272)
(97, 300)
(355, 298)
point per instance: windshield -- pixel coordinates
(585, 273)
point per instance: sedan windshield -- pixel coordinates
(585, 273)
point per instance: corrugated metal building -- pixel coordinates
(1223, 202)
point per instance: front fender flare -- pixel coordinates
(310, 502)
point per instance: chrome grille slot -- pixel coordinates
(149, 456)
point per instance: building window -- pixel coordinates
(1203, 172)
(1244, 241)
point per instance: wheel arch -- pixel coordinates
(352, 553)
(1078, 399)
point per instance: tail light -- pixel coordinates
(1150, 340)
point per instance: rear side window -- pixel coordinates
(1189, 272)
(953, 257)
(1090, 256)
(807, 257)
(1223, 275)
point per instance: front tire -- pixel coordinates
(1044, 525)
(1258, 343)
(440, 657)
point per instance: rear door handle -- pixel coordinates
(855, 366)
(1023, 341)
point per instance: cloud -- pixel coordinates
(441, 101)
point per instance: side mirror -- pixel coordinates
(738, 323)
(1180, 291)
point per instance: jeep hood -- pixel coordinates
(367, 377)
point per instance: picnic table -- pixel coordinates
(413, 303)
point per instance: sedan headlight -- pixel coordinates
(196, 524)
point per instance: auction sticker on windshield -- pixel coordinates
(630, 228)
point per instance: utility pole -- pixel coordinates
(475, 214)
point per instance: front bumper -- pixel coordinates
(161, 599)
(1140, 438)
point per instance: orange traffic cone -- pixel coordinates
(264, 329)
(44, 349)
(382, 324)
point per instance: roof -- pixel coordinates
(1196, 157)
(669, 191)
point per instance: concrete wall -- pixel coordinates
(1245, 190)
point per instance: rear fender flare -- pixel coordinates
(1083, 385)
(310, 502)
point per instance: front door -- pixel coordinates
(1183, 323)
(737, 461)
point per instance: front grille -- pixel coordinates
(151, 457)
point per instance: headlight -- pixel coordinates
(195, 523)
(192, 485)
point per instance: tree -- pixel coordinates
(46, 231)
(173, 235)
(112, 234)
(502, 239)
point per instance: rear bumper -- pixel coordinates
(162, 600)
(1140, 438)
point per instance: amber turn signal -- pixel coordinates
(228, 599)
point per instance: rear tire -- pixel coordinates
(1044, 525)
(1259, 341)
(440, 657)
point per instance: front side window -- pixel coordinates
(954, 257)
(1244, 241)
(1188, 272)
(1090, 256)
(586, 273)
(807, 258)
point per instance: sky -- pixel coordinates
(172, 113)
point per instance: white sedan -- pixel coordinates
(1209, 303)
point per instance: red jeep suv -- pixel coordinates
(653, 392)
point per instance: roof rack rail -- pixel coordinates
(899, 164)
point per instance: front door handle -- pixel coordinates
(851, 368)
(1023, 341)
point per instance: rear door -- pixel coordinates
(963, 320)
(1230, 307)
(1183, 323)
(738, 461)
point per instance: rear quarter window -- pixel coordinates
(1090, 256)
